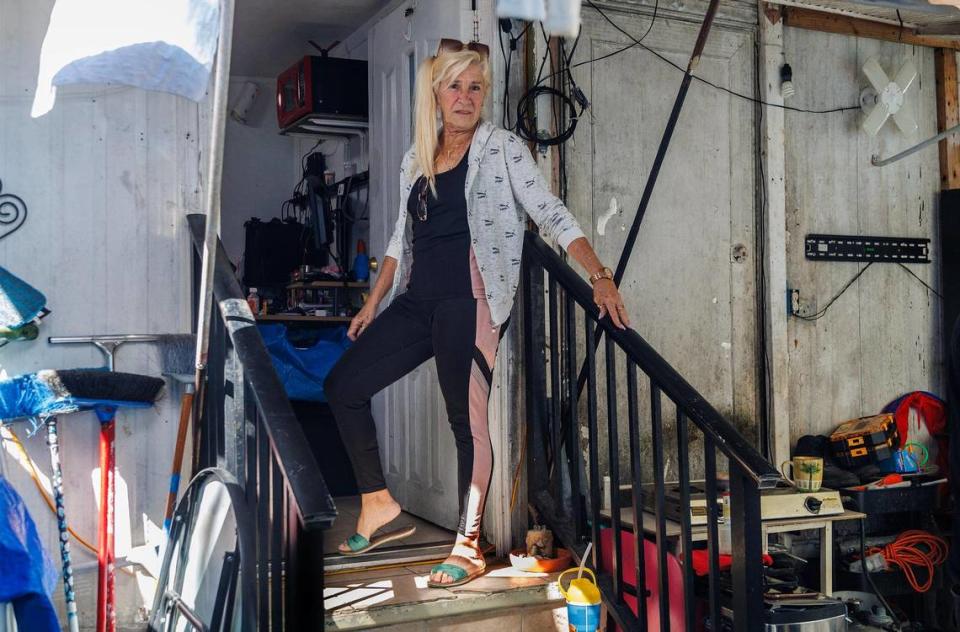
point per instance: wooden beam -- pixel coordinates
(948, 115)
(774, 236)
(843, 25)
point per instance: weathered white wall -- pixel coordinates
(687, 294)
(880, 338)
(107, 176)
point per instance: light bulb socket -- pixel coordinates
(786, 73)
(787, 89)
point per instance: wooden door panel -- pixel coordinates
(686, 293)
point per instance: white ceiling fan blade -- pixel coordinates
(875, 120)
(905, 76)
(905, 121)
(875, 75)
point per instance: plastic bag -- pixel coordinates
(303, 370)
(27, 576)
(921, 419)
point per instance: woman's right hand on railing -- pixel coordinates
(362, 320)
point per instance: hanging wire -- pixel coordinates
(637, 42)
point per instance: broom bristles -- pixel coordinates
(105, 385)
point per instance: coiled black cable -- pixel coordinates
(525, 108)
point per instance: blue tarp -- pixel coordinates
(27, 576)
(303, 369)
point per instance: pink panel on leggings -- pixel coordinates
(487, 339)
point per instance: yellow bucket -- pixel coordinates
(583, 601)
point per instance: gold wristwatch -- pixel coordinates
(604, 273)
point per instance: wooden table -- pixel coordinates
(698, 533)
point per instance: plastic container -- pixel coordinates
(724, 533)
(523, 562)
(919, 498)
(253, 300)
(583, 601)
(361, 264)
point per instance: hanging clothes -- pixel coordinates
(166, 46)
(559, 17)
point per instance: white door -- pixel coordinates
(416, 443)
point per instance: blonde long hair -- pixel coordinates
(434, 73)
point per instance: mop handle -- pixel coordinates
(73, 621)
(186, 404)
(106, 605)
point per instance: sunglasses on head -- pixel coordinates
(448, 45)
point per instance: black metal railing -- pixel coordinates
(560, 329)
(248, 428)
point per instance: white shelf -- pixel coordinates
(314, 126)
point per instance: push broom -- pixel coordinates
(45, 395)
(175, 353)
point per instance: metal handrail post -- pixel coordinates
(214, 182)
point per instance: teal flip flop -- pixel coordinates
(459, 574)
(359, 544)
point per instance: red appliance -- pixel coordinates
(674, 580)
(322, 87)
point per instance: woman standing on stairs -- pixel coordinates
(466, 189)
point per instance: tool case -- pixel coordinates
(866, 440)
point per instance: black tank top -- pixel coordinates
(441, 242)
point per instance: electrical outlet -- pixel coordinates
(799, 304)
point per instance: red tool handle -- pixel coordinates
(106, 605)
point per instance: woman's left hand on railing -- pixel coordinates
(608, 299)
(605, 292)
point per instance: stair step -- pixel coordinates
(515, 620)
(400, 597)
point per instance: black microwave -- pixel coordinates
(327, 87)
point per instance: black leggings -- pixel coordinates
(457, 333)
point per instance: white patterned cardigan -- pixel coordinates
(503, 184)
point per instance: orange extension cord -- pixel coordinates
(913, 549)
(46, 497)
(43, 493)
